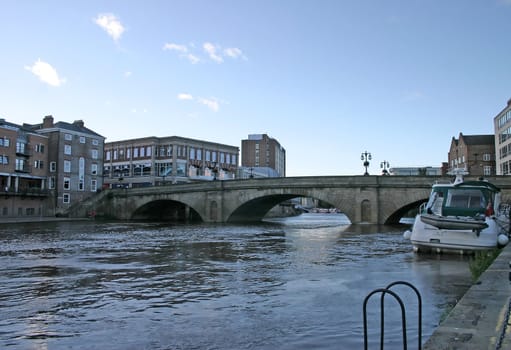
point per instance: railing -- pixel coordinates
(28, 192)
(387, 290)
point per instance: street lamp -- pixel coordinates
(385, 166)
(251, 172)
(366, 157)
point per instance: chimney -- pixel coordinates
(48, 122)
(509, 102)
(78, 123)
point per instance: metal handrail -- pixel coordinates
(388, 290)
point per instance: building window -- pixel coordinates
(20, 147)
(4, 159)
(95, 142)
(93, 185)
(66, 198)
(148, 151)
(94, 169)
(53, 167)
(39, 148)
(81, 174)
(142, 152)
(82, 139)
(67, 183)
(39, 164)
(135, 152)
(67, 166)
(20, 164)
(68, 137)
(4, 142)
(94, 154)
(487, 170)
(51, 182)
(107, 155)
(486, 157)
(67, 149)
(128, 153)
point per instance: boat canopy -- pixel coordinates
(466, 199)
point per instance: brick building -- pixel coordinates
(263, 154)
(75, 161)
(23, 172)
(475, 153)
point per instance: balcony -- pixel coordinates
(26, 192)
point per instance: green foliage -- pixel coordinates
(481, 261)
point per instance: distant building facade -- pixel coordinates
(150, 161)
(23, 172)
(502, 126)
(261, 156)
(416, 171)
(75, 161)
(475, 153)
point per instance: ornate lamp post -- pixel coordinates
(366, 157)
(385, 166)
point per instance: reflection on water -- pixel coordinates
(294, 283)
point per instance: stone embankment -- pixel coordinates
(480, 320)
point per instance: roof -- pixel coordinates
(478, 139)
(75, 127)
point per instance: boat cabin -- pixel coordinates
(463, 199)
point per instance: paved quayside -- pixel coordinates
(480, 319)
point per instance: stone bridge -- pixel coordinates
(364, 199)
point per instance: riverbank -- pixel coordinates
(26, 219)
(480, 319)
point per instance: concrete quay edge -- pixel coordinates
(480, 319)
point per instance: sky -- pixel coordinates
(328, 79)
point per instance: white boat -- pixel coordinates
(461, 217)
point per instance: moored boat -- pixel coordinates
(461, 217)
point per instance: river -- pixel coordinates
(294, 283)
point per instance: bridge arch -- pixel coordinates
(255, 206)
(165, 210)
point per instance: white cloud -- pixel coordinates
(111, 24)
(211, 50)
(192, 58)
(214, 52)
(46, 73)
(175, 47)
(210, 103)
(234, 52)
(183, 96)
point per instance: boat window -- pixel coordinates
(465, 198)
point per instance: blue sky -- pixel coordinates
(329, 79)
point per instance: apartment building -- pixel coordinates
(475, 153)
(153, 160)
(502, 126)
(23, 172)
(75, 161)
(262, 155)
